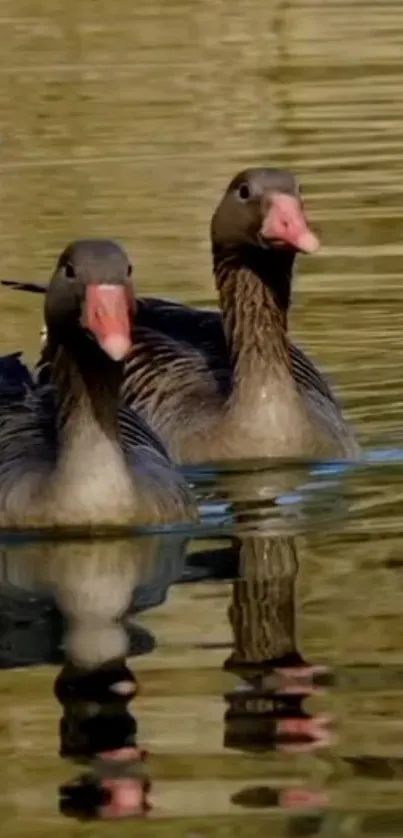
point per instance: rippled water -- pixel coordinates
(127, 120)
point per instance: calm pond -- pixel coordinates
(127, 120)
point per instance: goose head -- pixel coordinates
(262, 209)
(91, 293)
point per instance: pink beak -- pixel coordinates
(285, 224)
(108, 317)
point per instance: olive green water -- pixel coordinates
(127, 120)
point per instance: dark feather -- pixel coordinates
(28, 438)
(15, 378)
(33, 287)
(39, 406)
(135, 431)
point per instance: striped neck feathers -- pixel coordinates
(254, 287)
(86, 380)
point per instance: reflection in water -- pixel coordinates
(90, 591)
(77, 604)
(97, 729)
(265, 711)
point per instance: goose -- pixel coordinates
(69, 456)
(230, 384)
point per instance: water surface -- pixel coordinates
(127, 120)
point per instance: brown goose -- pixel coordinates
(68, 455)
(230, 384)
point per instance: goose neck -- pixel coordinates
(87, 382)
(254, 289)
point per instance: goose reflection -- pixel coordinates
(265, 709)
(75, 603)
(98, 730)
(88, 592)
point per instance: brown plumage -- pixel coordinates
(230, 384)
(68, 455)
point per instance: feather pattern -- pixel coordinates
(230, 384)
(69, 454)
(179, 371)
(31, 445)
(179, 376)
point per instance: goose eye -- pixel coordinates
(129, 270)
(69, 270)
(244, 192)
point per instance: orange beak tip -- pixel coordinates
(116, 346)
(308, 242)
